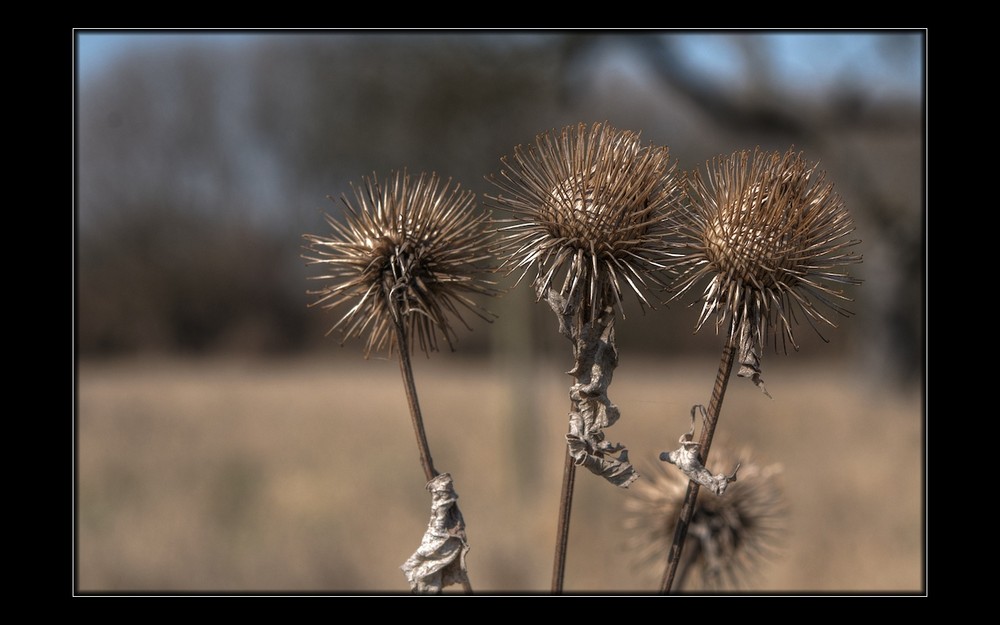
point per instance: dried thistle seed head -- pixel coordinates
(730, 536)
(412, 251)
(589, 208)
(772, 238)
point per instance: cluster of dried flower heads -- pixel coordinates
(597, 210)
(593, 212)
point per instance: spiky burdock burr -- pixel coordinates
(588, 207)
(408, 251)
(771, 238)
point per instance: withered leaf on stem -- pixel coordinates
(686, 459)
(439, 561)
(595, 357)
(749, 351)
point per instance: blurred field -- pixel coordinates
(303, 475)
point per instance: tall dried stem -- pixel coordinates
(704, 445)
(562, 526)
(406, 369)
(589, 207)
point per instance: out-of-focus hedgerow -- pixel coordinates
(200, 165)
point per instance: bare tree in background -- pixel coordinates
(198, 167)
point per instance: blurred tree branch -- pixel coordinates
(179, 148)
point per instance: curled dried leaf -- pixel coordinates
(439, 561)
(750, 350)
(686, 459)
(595, 360)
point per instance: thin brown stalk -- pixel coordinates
(562, 529)
(411, 398)
(704, 445)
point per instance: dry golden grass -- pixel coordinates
(303, 475)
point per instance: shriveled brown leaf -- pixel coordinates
(439, 561)
(686, 459)
(595, 360)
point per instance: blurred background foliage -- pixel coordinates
(203, 157)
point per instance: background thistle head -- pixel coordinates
(730, 537)
(407, 251)
(772, 239)
(588, 210)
